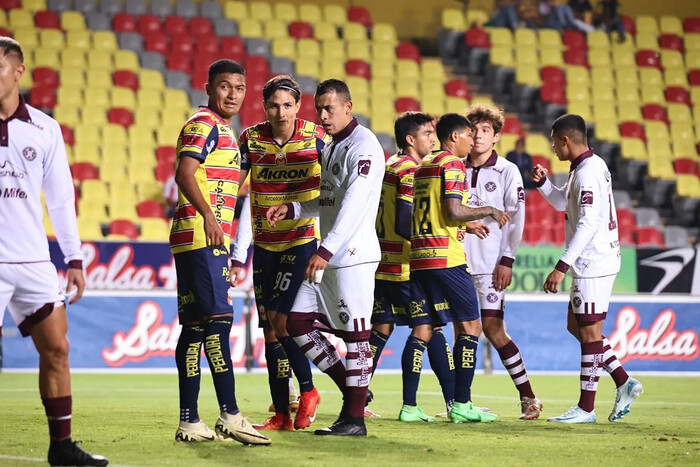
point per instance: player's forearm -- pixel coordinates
(460, 212)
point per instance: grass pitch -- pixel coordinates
(131, 419)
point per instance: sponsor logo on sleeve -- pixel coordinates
(586, 198)
(521, 194)
(363, 167)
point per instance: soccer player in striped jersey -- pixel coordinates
(207, 177)
(282, 157)
(593, 255)
(494, 181)
(415, 136)
(441, 287)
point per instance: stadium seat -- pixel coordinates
(120, 116)
(647, 42)
(200, 26)
(43, 76)
(354, 32)
(654, 112)
(301, 30)
(477, 38)
(150, 208)
(47, 20)
(335, 14)
(124, 227)
(670, 25)
(457, 88)
(84, 171)
(500, 37)
(677, 94)
(576, 57)
(154, 230)
(408, 51)
(648, 58)
(684, 166)
(42, 97)
(574, 40)
(671, 42)
(325, 30)
(649, 237)
(358, 14)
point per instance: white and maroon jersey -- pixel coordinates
(592, 242)
(496, 183)
(352, 170)
(32, 158)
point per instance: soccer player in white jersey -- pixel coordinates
(593, 255)
(32, 159)
(352, 169)
(493, 181)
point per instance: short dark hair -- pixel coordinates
(333, 85)
(486, 113)
(449, 123)
(284, 83)
(224, 66)
(409, 123)
(8, 46)
(572, 125)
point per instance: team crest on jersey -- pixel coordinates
(586, 198)
(363, 167)
(281, 158)
(492, 298)
(29, 153)
(490, 186)
(344, 317)
(336, 169)
(607, 175)
(577, 301)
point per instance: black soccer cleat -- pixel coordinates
(344, 427)
(69, 452)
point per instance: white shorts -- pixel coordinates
(345, 297)
(490, 299)
(27, 287)
(590, 297)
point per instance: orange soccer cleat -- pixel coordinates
(278, 422)
(308, 404)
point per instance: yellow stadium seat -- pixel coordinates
(137, 137)
(627, 77)
(79, 39)
(659, 148)
(656, 130)
(72, 21)
(382, 103)
(607, 110)
(174, 118)
(92, 114)
(382, 122)
(324, 31)
(581, 108)
(551, 58)
(500, 37)
(100, 60)
(154, 230)
(236, 10)
(359, 49)
(167, 136)
(688, 186)
(86, 134)
(310, 12)
(334, 50)
(633, 148)
(602, 76)
(141, 173)
(384, 32)
(621, 57)
(18, 18)
(382, 87)
(89, 228)
(70, 96)
(676, 77)
(407, 69)
(251, 29)
(602, 93)
(99, 79)
(358, 85)
(607, 130)
(692, 60)
(34, 5)
(647, 41)
(691, 41)
(598, 40)
(285, 48)
(660, 168)
(308, 48)
(433, 70)
(73, 58)
(672, 59)
(176, 99)
(149, 190)
(432, 106)
(104, 40)
(679, 113)
(119, 210)
(382, 69)
(407, 88)
(528, 76)
(67, 114)
(260, 10)
(525, 56)
(26, 82)
(525, 38)
(506, 143)
(332, 70)
(577, 76)
(671, 25)
(627, 44)
(432, 90)
(51, 39)
(682, 131)
(97, 97)
(599, 58)
(27, 37)
(47, 58)
(452, 19)
(4, 23)
(286, 12)
(502, 56)
(113, 134)
(360, 105)
(86, 152)
(695, 96)
(454, 104)
(383, 51)
(536, 143)
(628, 94)
(558, 166)
(549, 40)
(354, 32)
(275, 29)
(653, 95)
(75, 77)
(151, 80)
(95, 190)
(116, 151)
(685, 149)
(127, 60)
(477, 17)
(308, 67)
(650, 77)
(335, 14)
(647, 24)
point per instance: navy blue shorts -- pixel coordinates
(441, 296)
(392, 300)
(202, 284)
(277, 276)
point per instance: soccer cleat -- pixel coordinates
(343, 427)
(575, 415)
(626, 394)
(530, 408)
(369, 414)
(197, 431)
(69, 452)
(236, 427)
(308, 404)
(410, 413)
(466, 412)
(278, 422)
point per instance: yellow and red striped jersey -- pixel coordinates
(281, 174)
(210, 140)
(397, 186)
(436, 241)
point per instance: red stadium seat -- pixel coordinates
(252, 112)
(407, 104)
(47, 20)
(181, 44)
(176, 61)
(43, 97)
(232, 48)
(208, 47)
(691, 24)
(301, 30)
(408, 51)
(356, 67)
(649, 236)
(387, 155)
(150, 208)
(677, 94)
(686, 166)
(574, 40)
(358, 14)
(149, 24)
(67, 133)
(156, 42)
(5, 32)
(84, 171)
(512, 125)
(457, 88)
(124, 227)
(120, 116)
(307, 111)
(477, 38)
(626, 236)
(553, 75)
(671, 41)
(576, 57)
(648, 58)
(257, 66)
(173, 25)
(553, 94)
(629, 25)
(199, 76)
(544, 162)
(200, 26)
(540, 234)
(694, 77)
(8, 5)
(163, 171)
(124, 22)
(558, 235)
(126, 79)
(654, 112)
(626, 219)
(632, 130)
(166, 155)
(43, 76)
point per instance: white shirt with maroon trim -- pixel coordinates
(592, 242)
(496, 183)
(32, 158)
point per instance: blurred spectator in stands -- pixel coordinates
(583, 10)
(505, 15)
(170, 196)
(610, 18)
(523, 160)
(562, 17)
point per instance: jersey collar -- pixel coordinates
(490, 162)
(21, 113)
(345, 132)
(576, 162)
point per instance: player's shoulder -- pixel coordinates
(363, 140)
(41, 120)
(256, 131)
(592, 169)
(507, 168)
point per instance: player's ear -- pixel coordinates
(207, 89)
(410, 140)
(349, 106)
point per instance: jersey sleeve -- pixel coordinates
(514, 204)
(197, 139)
(453, 176)
(244, 235)
(404, 188)
(322, 138)
(245, 153)
(554, 195)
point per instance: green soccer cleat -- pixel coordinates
(466, 412)
(410, 413)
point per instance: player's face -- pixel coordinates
(424, 140)
(560, 147)
(484, 138)
(281, 110)
(334, 112)
(464, 142)
(11, 70)
(226, 93)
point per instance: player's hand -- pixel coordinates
(553, 281)
(213, 232)
(276, 213)
(233, 274)
(316, 263)
(502, 276)
(538, 173)
(477, 228)
(75, 280)
(499, 216)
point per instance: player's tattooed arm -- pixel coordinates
(456, 211)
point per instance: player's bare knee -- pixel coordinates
(270, 335)
(424, 332)
(471, 327)
(56, 352)
(278, 321)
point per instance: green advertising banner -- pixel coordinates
(533, 264)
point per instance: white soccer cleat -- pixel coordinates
(235, 427)
(197, 431)
(626, 394)
(530, 408)
(575, 415)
